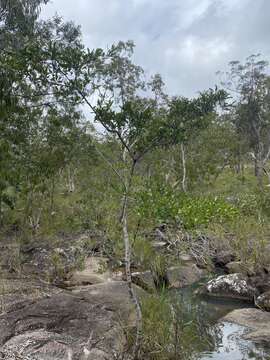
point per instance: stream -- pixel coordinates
(219, 340)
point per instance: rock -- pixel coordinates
(54, 260)
(83, 324)
(234, 267)
(257, 321)
(175, 277)
(223, 258)
(186, 258)
(183, 275)
(261, 336)
(95, 272)
(17, 293)
(144, 279)
(263, 301)
(261, 281)
(160, 233)
(158, 245)
(235, 286)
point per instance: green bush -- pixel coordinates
(163, 204)
(158, 202)
(195, 212)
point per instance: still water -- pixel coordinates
(224, 340)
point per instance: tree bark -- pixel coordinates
(259, 165)
(183, 157)
(133, 296)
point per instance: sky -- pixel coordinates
(186, 41)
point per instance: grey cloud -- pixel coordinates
(186, 41)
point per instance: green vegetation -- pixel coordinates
(199, 165)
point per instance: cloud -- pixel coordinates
(186, 41)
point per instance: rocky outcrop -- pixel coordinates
(256, 321)
(235, 286)
(17, 293)
(84, 324)
(95, 271)
(55, 260)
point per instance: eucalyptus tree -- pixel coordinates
(36, 105)
(17, 23)
(249, 84)
(190, 117)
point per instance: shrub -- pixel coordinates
(164, 204)
(196, 212)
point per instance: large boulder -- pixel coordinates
(256, 321)
(234, 286)
(84, 324)
(184, 275)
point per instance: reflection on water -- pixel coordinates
(214, 340)
(233, 347)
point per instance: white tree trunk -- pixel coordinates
(184, 176)
(128, 184)
(132, 293)
(70, 180)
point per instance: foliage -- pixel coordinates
(59, 175)
(250, 81)
(201, 211)
(164, 204)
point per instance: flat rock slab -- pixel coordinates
(17, 293)
(257, 321)
(83, 324)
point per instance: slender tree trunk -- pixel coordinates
(259, 165)
(183, 156)
(260, 175)
(256, 165)
(1, 209)
(133, 296)
(239, 162)
(70, 180)
(52, 195)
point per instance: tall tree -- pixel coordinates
(249, 84)
(190, 116)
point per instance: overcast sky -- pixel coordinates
(186, 41)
